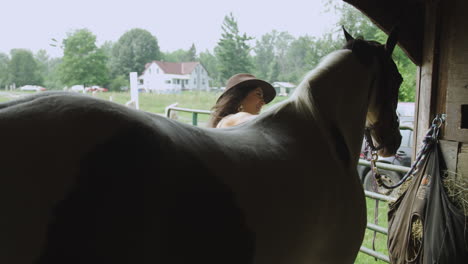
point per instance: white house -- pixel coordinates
(284, 88)
(167, 77)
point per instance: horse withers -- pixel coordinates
(108, 184)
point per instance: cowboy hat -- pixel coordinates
(244, 80)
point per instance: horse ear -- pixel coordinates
(347, 35)
(391, 41)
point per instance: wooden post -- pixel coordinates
(134, 89)
(426, 90)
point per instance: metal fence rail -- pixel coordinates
(380, 197)
(195, 112)
(375, 254)
(385, 166)
(373, 227)
(372, 195)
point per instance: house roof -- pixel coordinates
(180, 68)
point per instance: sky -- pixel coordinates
(32, 24)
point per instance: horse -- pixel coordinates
(84, 180)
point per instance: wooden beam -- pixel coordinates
(409, 15)
(426, 92)
(462, 167)
(453, 90)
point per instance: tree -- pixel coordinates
(274, 71)
(132, 51)
(23, 68)
(360, 25)
(48, 69)
(4, 61)
(407, 70)
(52, 80)
(327, 44)
(210, 63)
(192, 53)
(117, 83)
(300, 58)
(281, 57)
(181, 55)
(106, 48)
(83, 62)
(42, 59)
(354, 21)
(407, 91)
(264, 55)
(278, 68)
(232, 51)
(174, 56)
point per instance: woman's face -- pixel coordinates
(253, 102)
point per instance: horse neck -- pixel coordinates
(340, 96)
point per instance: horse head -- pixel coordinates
(382, 123)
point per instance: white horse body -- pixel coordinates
(301, 199)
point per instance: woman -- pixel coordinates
(242, 100)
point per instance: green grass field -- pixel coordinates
(381, 240)
(156, 103)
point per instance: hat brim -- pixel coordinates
(269, 91)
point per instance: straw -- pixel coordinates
(456, 188)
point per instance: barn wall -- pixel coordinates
(443, 79)
(454, 72)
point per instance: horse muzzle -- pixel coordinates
(391, 146)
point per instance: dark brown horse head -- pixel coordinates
(382, 120)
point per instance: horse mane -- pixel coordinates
(301, 99)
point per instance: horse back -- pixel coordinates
(105, 184)
(108, 184)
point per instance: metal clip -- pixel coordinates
(375, 170)
(437, 124)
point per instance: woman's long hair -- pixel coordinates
(228, 104)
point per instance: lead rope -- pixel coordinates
(430, 139)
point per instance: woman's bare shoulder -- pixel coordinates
(235, 119)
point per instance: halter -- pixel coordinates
(368, 129)
(369, 140)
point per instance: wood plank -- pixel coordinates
(449, 151)
(462, 166)
(455, 68)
